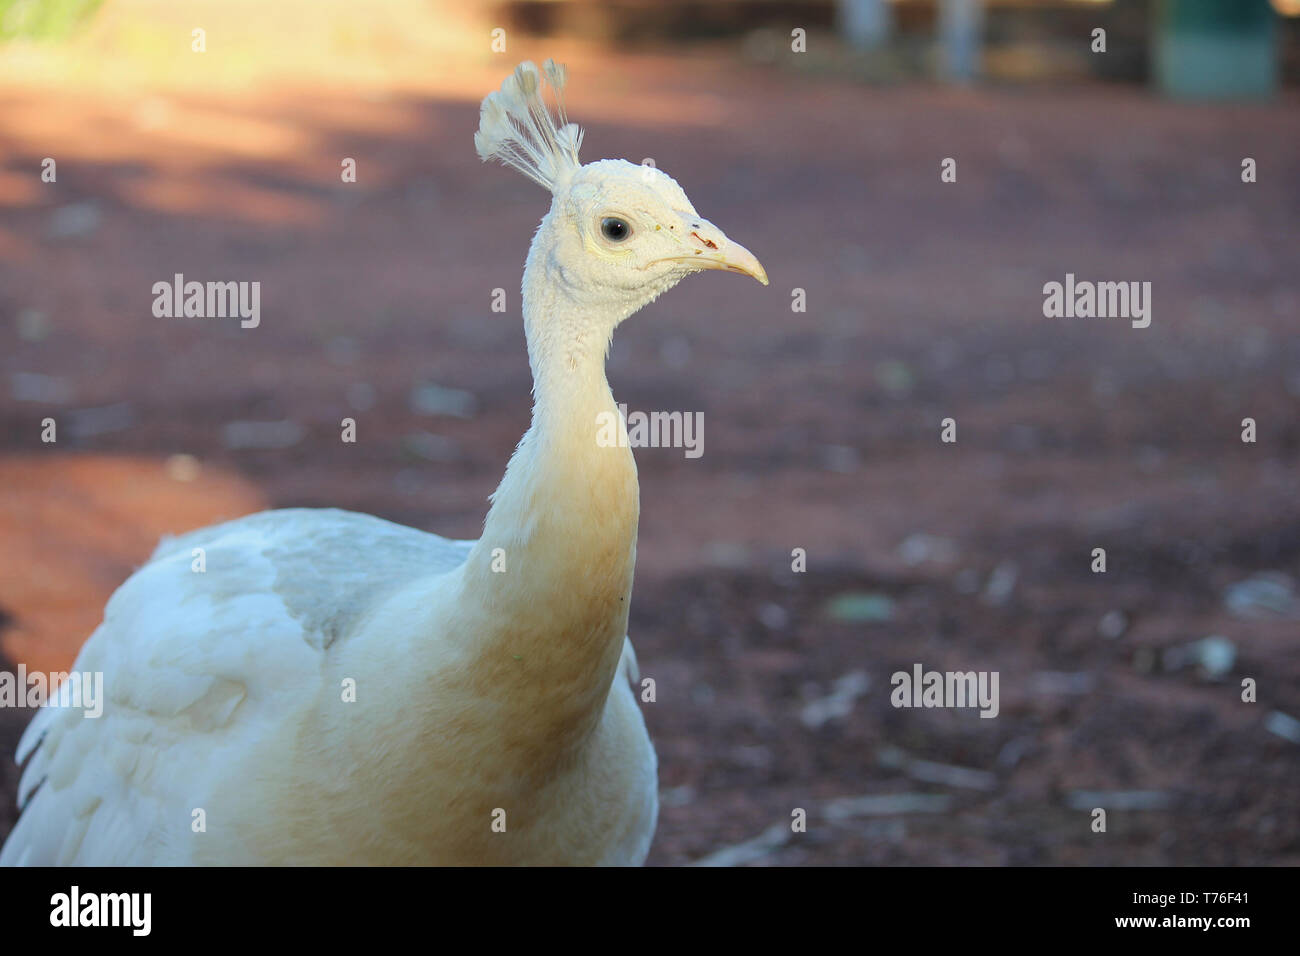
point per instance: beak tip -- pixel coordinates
(747, 264)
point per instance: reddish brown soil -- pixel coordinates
(822, 428)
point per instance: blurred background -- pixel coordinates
(812, 132)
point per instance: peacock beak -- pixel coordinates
(735, 258)
(711, 249)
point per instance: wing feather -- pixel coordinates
(197, 667)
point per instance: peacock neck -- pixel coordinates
(555, 562)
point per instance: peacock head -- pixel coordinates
(616, 231)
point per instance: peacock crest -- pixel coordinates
(516, 127)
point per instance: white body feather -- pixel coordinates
(225, 695)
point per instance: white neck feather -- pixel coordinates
(564, 518)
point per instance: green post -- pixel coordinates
(1215, 49)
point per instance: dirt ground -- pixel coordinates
(822, 428)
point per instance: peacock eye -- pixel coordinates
(615, 229)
